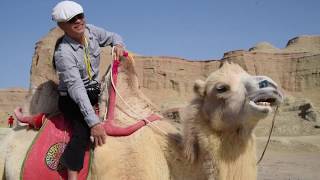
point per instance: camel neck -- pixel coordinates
(234, 156)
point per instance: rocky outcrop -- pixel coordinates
(296, 68)
(163, 78)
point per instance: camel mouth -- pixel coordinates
(264, 102)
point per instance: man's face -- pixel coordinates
(74, 27)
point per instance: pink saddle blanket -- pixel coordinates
(42, 159)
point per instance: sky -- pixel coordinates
(189, 29)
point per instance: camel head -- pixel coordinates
(230, 98)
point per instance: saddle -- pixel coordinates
(42, 159)
(43, 156)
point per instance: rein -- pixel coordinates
(271, 129)
(147, 122)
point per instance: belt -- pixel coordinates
(63, 93)
(91, 89)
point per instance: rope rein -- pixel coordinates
(130, 107)
(271, 129)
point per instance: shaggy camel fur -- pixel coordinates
(219, 122)
(216, 142)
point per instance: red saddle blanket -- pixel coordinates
(42, 159)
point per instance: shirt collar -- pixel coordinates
(74, 44)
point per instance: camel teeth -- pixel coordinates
(263, 103)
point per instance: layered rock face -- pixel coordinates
(169, 81)
(296, 68)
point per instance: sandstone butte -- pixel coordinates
(168, 81)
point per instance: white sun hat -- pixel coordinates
(66, 10)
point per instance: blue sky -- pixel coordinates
(190, 29)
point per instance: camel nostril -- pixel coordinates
(263, 84)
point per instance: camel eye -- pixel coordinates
(221, 88)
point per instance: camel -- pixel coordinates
(214, 141)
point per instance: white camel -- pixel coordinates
(216, 140)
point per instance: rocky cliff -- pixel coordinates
(296, 68)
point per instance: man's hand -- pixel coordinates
(118, 50)
(99, 134)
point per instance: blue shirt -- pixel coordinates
(71, 68)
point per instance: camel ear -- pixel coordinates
(199, 87)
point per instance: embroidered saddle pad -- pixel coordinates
(42, 159)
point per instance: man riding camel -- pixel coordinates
(77, 59)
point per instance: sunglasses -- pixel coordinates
(75, 18)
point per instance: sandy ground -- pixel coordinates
(290, 166)
(3, 132)
(287, 158)
(290, 158)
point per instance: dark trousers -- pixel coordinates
(73, 156)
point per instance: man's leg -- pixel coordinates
(73, 156)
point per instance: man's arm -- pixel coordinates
(106, 38)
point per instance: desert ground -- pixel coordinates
(290, 158)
